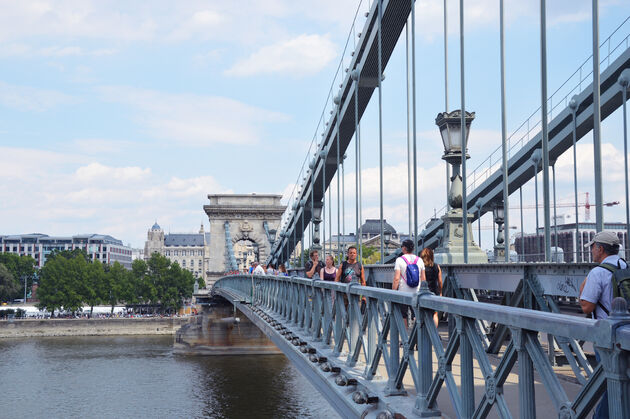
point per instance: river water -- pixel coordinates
(139, 377)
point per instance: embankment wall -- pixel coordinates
(91, 327)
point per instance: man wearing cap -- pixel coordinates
(596, 291)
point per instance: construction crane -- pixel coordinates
(586, 204)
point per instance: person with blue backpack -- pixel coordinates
(408, 272)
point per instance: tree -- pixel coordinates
(8, 285)
(21, 267)
(118, 282)
(163, 282)
(94, 288)
(63, 280)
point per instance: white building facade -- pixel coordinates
(99, 247)
(190, 250)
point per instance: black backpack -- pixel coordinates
(620, 281)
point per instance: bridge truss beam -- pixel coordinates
(366, 349)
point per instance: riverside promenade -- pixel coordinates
(21, 328)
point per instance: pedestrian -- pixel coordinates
(433, 276)
(351, 269)
(258, 269)
(283, 270)
(596, 292)
(329, 271)
(408, 272)
(271, 269)
(314, 265)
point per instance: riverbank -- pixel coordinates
(19, 328)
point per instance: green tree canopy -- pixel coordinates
(8, 285)
(21, 268)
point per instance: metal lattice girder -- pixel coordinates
(360, 370)
(365, 60)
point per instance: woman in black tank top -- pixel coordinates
(433, 273)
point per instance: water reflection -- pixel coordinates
(111, 377)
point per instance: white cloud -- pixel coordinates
(298, 57)
(58, 193)
(99, 172)
(200, 24)
(87, 19)
(612, 159)
(100, 145)
(194, 119)
(26, 98)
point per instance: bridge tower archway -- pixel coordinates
(238, 219)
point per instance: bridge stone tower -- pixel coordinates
(245, 217)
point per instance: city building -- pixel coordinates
(245, 253)
(99, 247)
(190, 250)
(531, 247)
(137, 253)
(371, 237)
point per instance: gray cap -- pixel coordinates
(604, 237)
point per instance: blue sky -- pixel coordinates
(114, 114)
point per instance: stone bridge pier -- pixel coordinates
(221, 329)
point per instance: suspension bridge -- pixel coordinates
(508, 343)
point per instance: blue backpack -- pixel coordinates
(412, 274)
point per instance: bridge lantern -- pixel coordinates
(450, 130)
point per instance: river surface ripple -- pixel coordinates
(139, 377)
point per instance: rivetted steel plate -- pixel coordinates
(489, 281)
(561, 285)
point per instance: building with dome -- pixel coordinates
(190, 250)
(370, 236)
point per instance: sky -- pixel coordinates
(117, 114)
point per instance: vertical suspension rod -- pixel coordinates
(504, 146)
(463, 129)
(380, 122)
(448, 172)
(409, 144)
(597, 141)
(413, 122)
(545, 131)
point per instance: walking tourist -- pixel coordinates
(329, 271)
(258, 269)
(314, 265)
(351, 269)
(596, 292)
(433, 276)
(282, 270)
(408, 272)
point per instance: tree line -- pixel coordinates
(14, 270)
(70, 279)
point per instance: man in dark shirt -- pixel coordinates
(314, 265)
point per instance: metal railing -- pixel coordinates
(360, 340)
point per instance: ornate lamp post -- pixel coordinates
(499, 247)
(317, 219)
(451, 249)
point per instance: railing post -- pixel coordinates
(467, 373)
(526, 393)
(425, 357)
(393, 360)
(616, 364)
